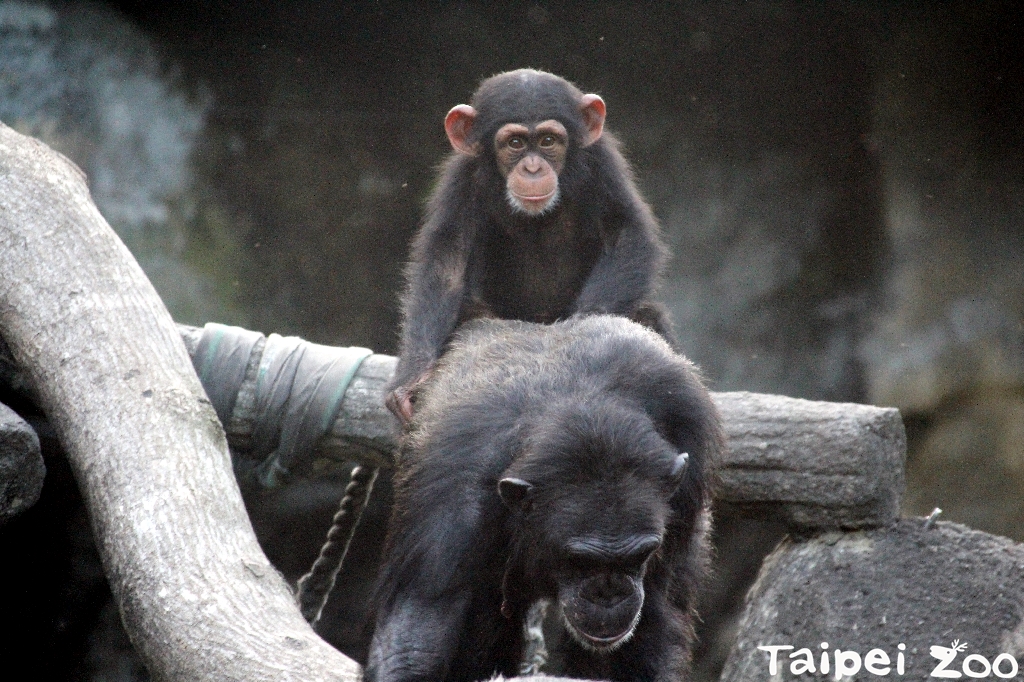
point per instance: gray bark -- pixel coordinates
(812, 465)
(198, 597)
(908, 584)
(21, 465)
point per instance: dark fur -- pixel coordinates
(532, 401)
(597, 251)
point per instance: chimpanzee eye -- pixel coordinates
(516, 143)
(547, 141)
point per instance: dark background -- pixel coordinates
(841, 183)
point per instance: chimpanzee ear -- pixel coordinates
(592, 109)
(679, 466)
(458, 124)
(513, 492)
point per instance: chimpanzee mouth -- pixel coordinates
(607, 642)
(526, 204)
(538, 197)
(600, 644)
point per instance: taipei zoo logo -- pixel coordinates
(948, 663)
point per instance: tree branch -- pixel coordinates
(198, 597)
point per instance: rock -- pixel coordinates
(21, 465)
(909, 584)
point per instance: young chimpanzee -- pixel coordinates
(535, 217)
(569, 463)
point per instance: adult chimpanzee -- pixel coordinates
(535, 217)
(566, 462)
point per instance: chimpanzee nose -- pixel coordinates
(608, 590)
(532, 164)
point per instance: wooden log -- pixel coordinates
(21, 465)
(810, 464)
(198, 598)
(365, 431)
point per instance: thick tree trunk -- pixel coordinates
(198, 597)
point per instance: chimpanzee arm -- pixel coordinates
(416, 639)
(634, 256)
(429, 574)
(626, 271)
(434, 296)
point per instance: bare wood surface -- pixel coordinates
(21, 465)
(810, 464)
(198, 597)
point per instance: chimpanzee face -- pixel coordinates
(531, 157)
(531, 145)
(601, 587)
(594, 501)
(595, 541)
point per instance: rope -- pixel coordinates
(315, 587)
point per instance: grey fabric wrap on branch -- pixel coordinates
(299, 390)
(221, 359)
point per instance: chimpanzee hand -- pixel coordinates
(402, 400)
